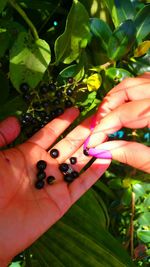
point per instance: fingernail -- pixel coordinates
(100, 153)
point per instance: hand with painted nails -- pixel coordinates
(126, 105)
(28, 208)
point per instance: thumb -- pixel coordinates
(131, 153)
(9, 130)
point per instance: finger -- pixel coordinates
(134, 154)
(129, 89)
(73, 141)
(145, 75)
(9, 130)
(48, 134)
(88, 178)
(132, 115)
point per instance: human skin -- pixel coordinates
(26, 212)
(126, 105)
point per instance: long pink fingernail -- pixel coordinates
(100, 153)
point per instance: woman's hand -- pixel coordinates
(126, 105)
(26, 212)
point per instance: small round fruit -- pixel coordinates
(39, 184)
(85, 152)
(59, 111)
(44, 89)
(41, 175)
(75, 174)
(68, 178)
(73, 160)
(69, 91)
(58, 93)
(68, 103)
(54, 153)
(70, 80)
(63, 167)
(50, 179)
(24, 87)
(41, 165)
(52, 87)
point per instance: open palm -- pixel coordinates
(26, 212)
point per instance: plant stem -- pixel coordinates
(132, 225)
(24, 16)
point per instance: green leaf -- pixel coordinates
(29, 60)
(142, 22)
(8, 33)
(2, 5)
(117, 74)
(138, 190)
(76, 36)
(121, 40)
(144, 235)
(140, 65)
(4, 91)
(79, 239)
(101, 31)
(14, 106)
(76, 71)
(120, 10)
(144, 219)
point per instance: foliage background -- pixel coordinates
(97, 43)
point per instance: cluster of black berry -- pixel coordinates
(69, 173)
(44, 104)
(41, 175)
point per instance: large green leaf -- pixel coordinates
(29, 60)
(14, 106)
(8, 33)
(75, 71)
(120, 10)
(142, 22)
(121, 40)
(2, 5)
(144, 219)
(140, 65)
(144, 235)
(80, 239)
(101, 31)
(117, 74)
(76, 36)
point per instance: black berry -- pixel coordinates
(68, 103)
(27, 97)
(58, 93)
(85, 152)
(63, 167)
(44, 89)
(52, 87)
(81, 108)
(73, 160)
(24, 87)
(70, 80)
(39, 184)
(50, 179)
(41, 165)
(59, 111)
(75, 174)
(69, 91)
(56, 102)
(68, 178)
(54, 153)
(41, 175)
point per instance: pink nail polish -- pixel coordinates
(100, 153)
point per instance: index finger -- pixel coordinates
(129, 89)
